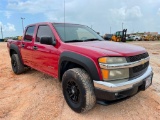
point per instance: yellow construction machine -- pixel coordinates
(19, 37)
(148, 38)
(119, 36)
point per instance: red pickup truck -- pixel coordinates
(89, 68)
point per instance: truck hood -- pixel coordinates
(109, 48)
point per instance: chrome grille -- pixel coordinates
(138, 57)
(140, 69)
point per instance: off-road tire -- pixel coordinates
(17, 66)
(84, 86)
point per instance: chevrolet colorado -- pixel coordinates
(89, 68)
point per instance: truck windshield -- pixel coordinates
(76, 33)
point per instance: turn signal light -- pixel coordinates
(102, 60)
(105, 74)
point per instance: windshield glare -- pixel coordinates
(75, 32)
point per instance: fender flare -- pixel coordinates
(16, 49)
(81, 60)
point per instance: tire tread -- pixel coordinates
(86, 80)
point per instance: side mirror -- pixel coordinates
(47, 41)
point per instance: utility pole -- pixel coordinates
(1, 32)
(22, 24)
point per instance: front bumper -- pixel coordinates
(113, 90)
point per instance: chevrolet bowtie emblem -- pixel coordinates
(142, 62)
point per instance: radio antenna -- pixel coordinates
(64, 22)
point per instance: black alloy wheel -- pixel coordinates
(78, 90)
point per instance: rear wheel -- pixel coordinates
(78, 90)
(17, 66)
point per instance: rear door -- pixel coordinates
(27, 44)
(45, 57)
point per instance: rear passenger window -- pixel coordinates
(29, 33)
(44, 31)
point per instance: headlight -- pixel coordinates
(114, 74)
(112, 60)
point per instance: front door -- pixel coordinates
(45, 57)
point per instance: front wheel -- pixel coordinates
(78, 90)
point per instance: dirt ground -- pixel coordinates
(37, 96)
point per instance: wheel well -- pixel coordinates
(12, 52)
(66, 65)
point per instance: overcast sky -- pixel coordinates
(136, 15)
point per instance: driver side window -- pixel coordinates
(44, 31)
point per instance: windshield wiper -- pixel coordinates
(92, 39)
(73, 41)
